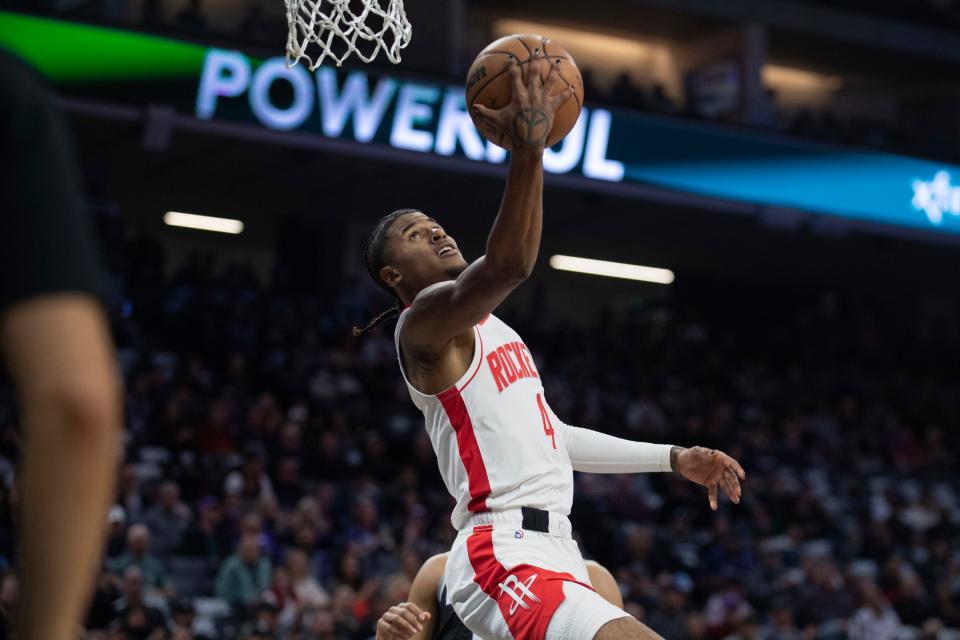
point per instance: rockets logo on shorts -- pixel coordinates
(518, 591)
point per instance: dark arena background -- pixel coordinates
(791, 168)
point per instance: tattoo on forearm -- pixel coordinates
(530, 126)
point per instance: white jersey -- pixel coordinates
(493, 431)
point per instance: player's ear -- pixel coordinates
(390, 275)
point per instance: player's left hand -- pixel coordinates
(528, 119)
(401, 622)
(713, 469)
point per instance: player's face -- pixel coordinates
(420, 253)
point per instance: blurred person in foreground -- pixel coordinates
(57, 347)
(429, 608)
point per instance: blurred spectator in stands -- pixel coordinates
(139, 619)
(660, 101)
(780, 625)
(305, 539)
(823, 596)
(9, 595)
(726, 608)
(183, 616)
(875, 619)
(191, 18)
(205, 537)
(697, 627)
(319, 624)
(251, 481)
(116, 533)
(342, 609)
(264, 622)
(669, 618)
(282, 595)
(365, 534)
(289, 485)
(626, 93)
(131, 496)
(105, 594)
(307, 590)
(912, 603)
(138, 555)
(167, 520)
(245, 575)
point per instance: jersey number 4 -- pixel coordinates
(547, 427)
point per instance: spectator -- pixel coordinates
(320, 624)
(9, 595)
(875, 619)
(139, 620)
(264, 623)
(183, 618)
(251, 482)
(116, 533)
(825, 596)
(167, 520)
(345, 620)
(245, 575)
(138, 555)
(308, 591)
(205, 537)
(131, 496)
(669, 618)
(289, 482)
(780, 625)
(105, 595)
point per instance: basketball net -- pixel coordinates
(336, 31)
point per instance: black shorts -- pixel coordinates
(46, 244)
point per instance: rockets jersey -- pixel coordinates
(498, 443)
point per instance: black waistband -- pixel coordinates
(535, 519)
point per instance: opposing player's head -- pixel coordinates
(407, 252)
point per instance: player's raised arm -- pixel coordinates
(448, 309)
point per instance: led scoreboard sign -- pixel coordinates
(405, 115)
(606, 147)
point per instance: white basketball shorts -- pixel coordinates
(508, 583)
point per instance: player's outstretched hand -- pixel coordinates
(528, 119)
(401, 622)
(714, 470)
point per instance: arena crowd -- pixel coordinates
(278, 483)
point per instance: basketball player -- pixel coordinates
(58, 351)
(430, 609)
(508, 460)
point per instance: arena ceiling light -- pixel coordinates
(612, 269)
(204, 223)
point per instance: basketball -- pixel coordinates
(488, 81)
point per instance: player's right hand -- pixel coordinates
(528, 119)
(401, 622)
(713, 469)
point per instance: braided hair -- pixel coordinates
(374, 255)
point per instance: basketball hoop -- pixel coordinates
(336, 30)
